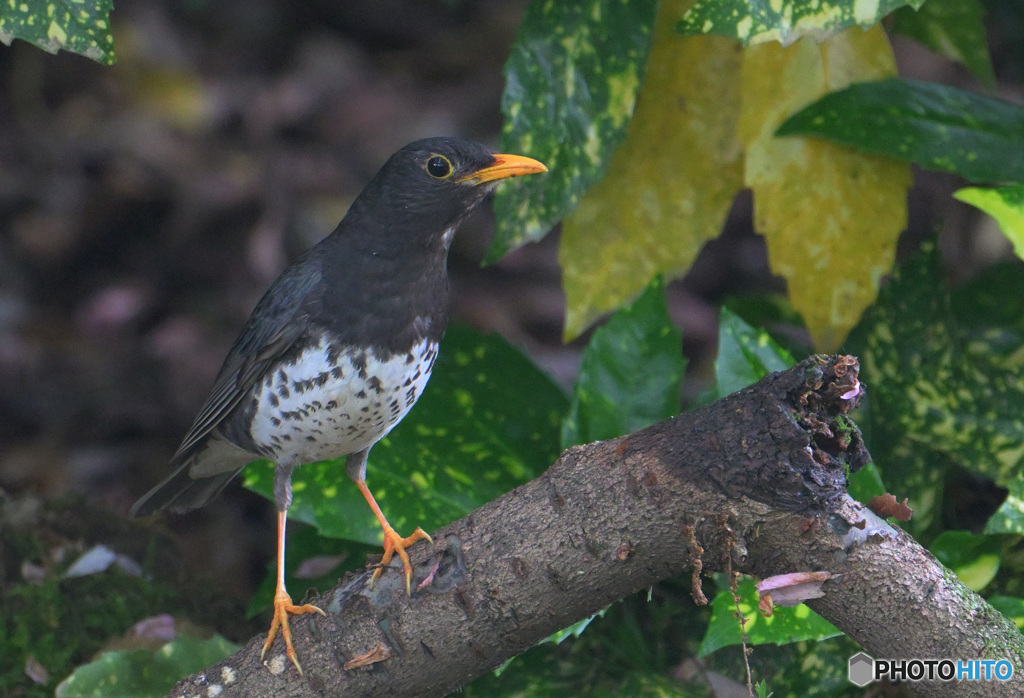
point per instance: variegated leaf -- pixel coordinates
(571, 84)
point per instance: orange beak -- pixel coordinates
(504, 166)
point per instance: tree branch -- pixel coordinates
(754, 482)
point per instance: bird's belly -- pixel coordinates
(327, 404)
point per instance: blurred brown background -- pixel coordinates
(145, 207)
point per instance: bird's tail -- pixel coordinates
(181, 492)
(199, 475)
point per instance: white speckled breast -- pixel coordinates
(315, 408)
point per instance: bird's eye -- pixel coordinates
(439, 167)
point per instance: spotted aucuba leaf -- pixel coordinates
(990, 314)
(944, 380)
(80, 27)
(571, 82)
(488, 421)
(784, 21)
(830, 216)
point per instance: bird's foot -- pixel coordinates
(283, 606)
(394, 543)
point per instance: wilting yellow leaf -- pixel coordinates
(668, 187)
(831, 216)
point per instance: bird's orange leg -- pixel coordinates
(393, 543)
(283, 602)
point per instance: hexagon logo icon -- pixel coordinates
(862, 669)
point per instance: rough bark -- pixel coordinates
(754, 482)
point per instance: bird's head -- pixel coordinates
(428, 187)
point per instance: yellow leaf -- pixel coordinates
(669, 186)
(830, 216)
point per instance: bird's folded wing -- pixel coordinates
(279, 319)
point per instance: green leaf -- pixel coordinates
(954, 28)
(487, 422)
(938, 127)
(1011, 607)
(79, 27)
(574, 630)
(630, 374)
(142, 673)
(974, 558)
(1005, 204)
(787, 624)
(865, 483)
(943, 380)
(745, 354)
(571, 82)
(775, 313)
(785, 21)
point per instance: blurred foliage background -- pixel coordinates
(146, 205)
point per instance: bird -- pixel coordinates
(340, 346)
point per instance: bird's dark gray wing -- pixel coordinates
(279, 319)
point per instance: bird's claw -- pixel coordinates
(394, 543)
(283, 606)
